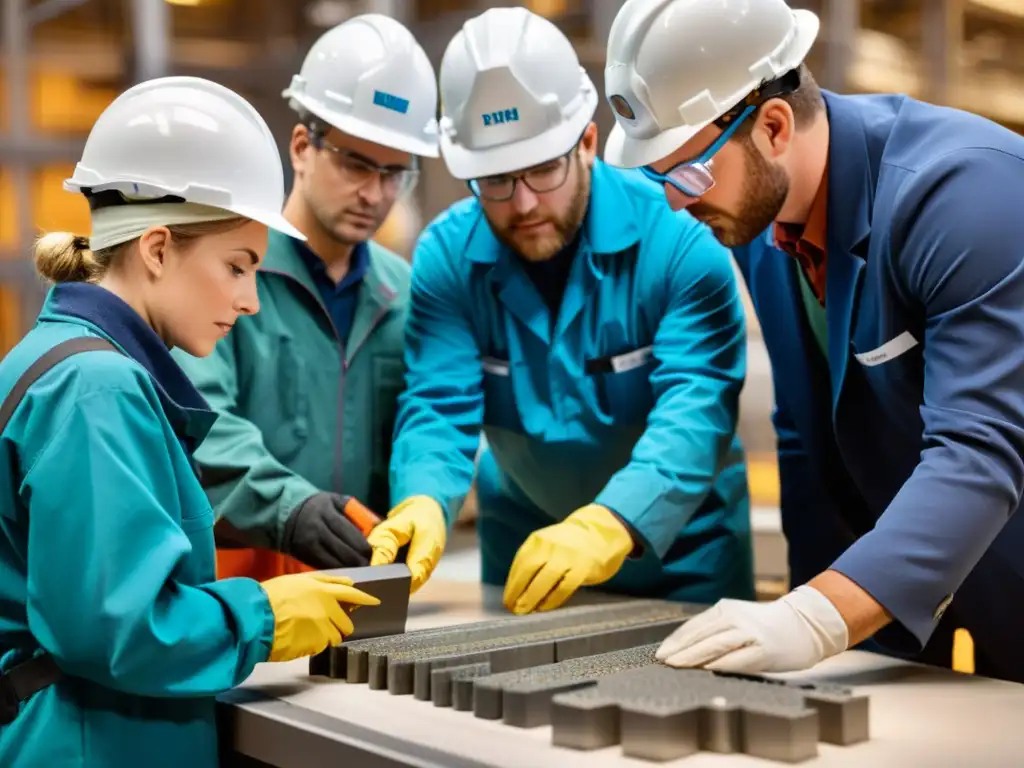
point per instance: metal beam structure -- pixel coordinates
(151, 22)
(841, 22)
(22, 149)
(17, 32)
(942, 36)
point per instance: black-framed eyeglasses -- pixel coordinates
(546, 177)
(395, 180)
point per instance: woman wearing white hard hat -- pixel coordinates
(114, 635)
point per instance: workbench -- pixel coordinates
(283, 717)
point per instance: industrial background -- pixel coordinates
(63, 61)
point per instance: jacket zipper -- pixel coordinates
(337, 474)
(340, 430)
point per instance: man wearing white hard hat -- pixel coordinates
(880, 239)
(307, 389)
(595, 337)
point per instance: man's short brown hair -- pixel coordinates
(805, 101)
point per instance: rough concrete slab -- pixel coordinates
(658, 713)
(355, 668)
(404, 670)
(590, 672)
(523, 698)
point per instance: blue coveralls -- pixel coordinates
(627, 397)
(107, 553)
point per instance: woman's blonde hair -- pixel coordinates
(62, 257)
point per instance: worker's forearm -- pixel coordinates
(863, 615)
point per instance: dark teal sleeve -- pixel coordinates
(107, 548)
(248, 486)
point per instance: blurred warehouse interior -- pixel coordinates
(64, 60)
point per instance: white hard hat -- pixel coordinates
(369, 78)
(675, 66)
(513, 94)
(188, 138)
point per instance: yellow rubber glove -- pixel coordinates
(585, 549)
(419, 522)
(309, 612)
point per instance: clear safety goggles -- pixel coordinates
(695, 177)
(396, 181)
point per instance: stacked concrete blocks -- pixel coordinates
(590, 673)
(658, 713)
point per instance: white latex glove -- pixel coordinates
(792, 633)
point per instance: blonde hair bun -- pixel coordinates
(62, 257)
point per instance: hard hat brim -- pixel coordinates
(623, 151)
(465, 164)
(269, 218)
(367, 131)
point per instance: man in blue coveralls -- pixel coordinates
(597, 337)
(881, 241)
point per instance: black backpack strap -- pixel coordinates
(49, 359)
(31, 676)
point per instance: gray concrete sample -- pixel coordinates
(462, 690)
(842, 717)
(659, 713)
(781, 734)
(590, 672)
(391, 585)
(443, 681)
(352, 658)
(410, 672)
(523, 698)
(659, 733)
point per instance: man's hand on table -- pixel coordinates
(810, 624)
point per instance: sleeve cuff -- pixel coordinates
(250, 607)
(643, 510)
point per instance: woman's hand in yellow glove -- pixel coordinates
(585, 549)
(419, 522)
(309, 612)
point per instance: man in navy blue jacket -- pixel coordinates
(881, 239)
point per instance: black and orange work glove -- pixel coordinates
(329, 531)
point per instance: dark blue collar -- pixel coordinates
(360, 262)
(186, 408)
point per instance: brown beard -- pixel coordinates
(565, 226)
(765, 188)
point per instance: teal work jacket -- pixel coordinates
(107, 552)
(300, 411)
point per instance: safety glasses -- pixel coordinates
(395, 180)
(695, 178)
(546, 177)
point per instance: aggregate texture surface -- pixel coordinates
(659, 713)
(590, 673)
